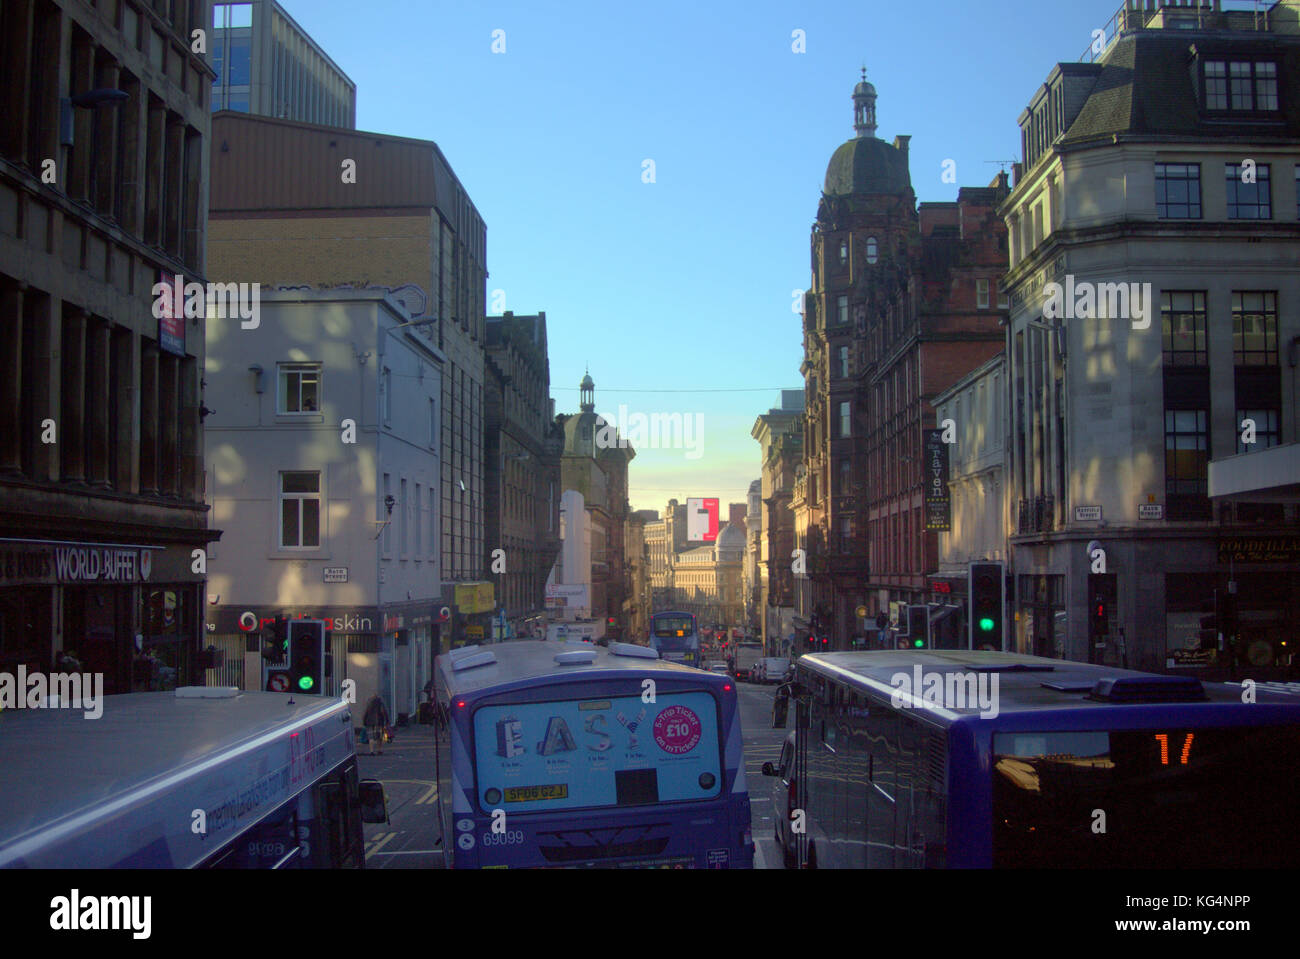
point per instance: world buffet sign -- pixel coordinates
(49, 563)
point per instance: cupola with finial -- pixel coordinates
(864, 107)
(587, 394)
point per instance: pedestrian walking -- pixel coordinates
(376, 721)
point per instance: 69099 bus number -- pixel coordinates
(504, 839)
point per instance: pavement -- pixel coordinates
(411, 839)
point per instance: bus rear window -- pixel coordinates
(1188, 798)
(617, 751)
(671, 626)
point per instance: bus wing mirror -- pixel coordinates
(780, 707)
(374, 804)
(769, 769)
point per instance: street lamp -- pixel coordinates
(105, 97)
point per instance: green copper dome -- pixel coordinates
(867, 165)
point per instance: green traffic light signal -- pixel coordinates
(920, 643)
(305, 683)
(986, 624)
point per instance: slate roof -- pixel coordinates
(1146, 87)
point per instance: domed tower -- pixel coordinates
(582, 434)
(865, 237)
(866, 165)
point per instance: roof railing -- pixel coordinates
(1140, 14)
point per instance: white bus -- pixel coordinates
(207, 777)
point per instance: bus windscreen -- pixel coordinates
(616, 751)
(671, 627)
(1202, 798)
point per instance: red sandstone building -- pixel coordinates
(904, 302)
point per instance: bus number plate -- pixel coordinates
(534, 793)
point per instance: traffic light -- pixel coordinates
(1227, 611)
(1101, 602)
(1219, 619)
(275, 641)
(307, 656)
(1209, 631)
(918, 626)
(1100, 617)
(987, 591)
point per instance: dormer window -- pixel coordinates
(1240, 86)
(873, 251)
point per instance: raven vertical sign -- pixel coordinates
(938, 506)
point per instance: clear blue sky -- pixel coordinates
(685, 283)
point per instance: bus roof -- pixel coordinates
(1030, 683)
(63, 771)
(517, 661)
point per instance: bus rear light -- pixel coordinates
(726, 687)
(461, 704)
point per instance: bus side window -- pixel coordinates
(914, 820)
(339, 818)
(880, 729)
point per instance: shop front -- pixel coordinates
(126, 611)
(410, 630)
(236, 633)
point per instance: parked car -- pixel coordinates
(718, 668)
(783, 799)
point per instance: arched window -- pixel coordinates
(873, 253)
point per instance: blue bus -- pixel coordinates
(676, 637)
(571, 755)
(932, 759)
(274, 775)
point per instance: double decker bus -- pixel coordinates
(960, 759)
(274, 776)
(675, 636)
(571, 755)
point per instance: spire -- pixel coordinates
(864, 108)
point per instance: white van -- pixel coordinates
(772, 669)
